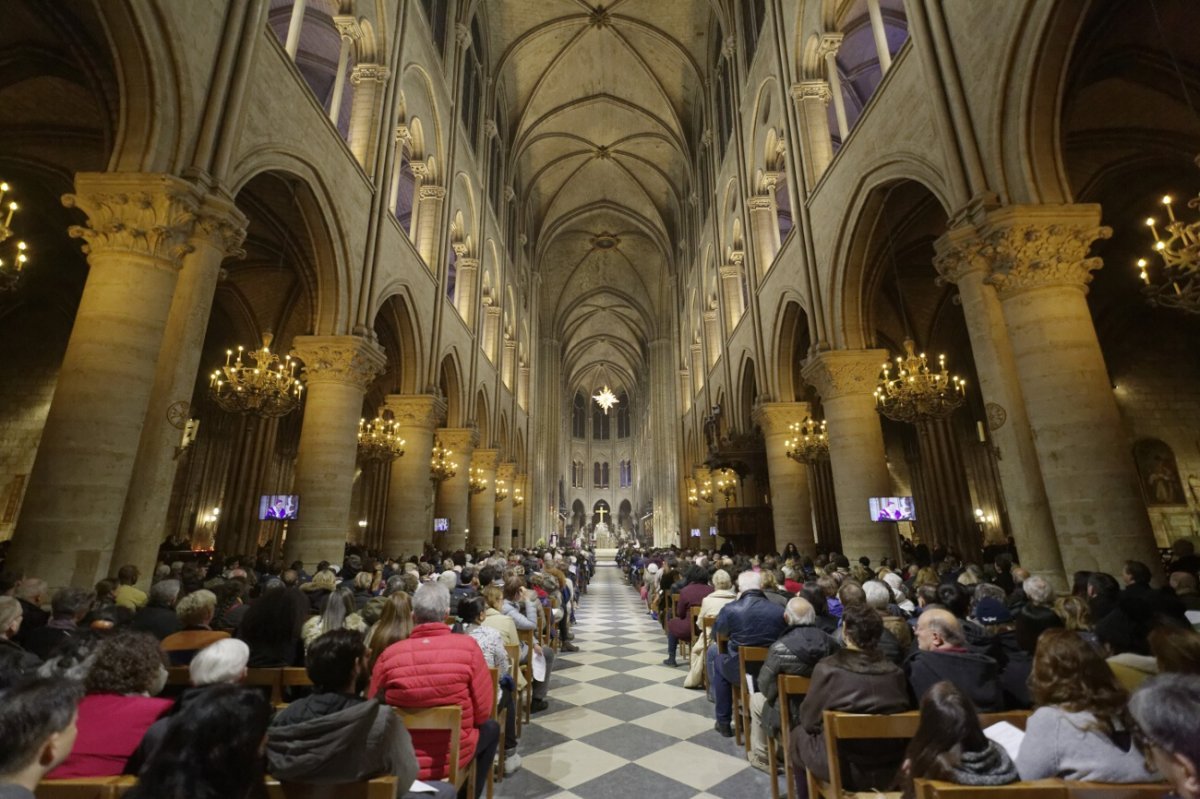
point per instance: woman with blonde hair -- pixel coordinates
(395, 624)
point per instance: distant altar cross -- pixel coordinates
(601, 513)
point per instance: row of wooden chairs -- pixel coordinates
(1039, 789)
(275, 681)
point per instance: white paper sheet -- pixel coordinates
(1008, 736)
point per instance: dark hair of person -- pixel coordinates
(331, 657)
(33, 711)
(127, 662)
(954, 598)
(1103, 584)
(1069, 673)
(487, 576)
(949, 726)
(69, 603)
(395, 624)
(1138, 571)
(1079, 583)
(210, 750)
(1177, 649)
(1031, 622)
(512, 588)
(275, 618)
(863, 626)
(696, 574)
(816, 598)
(471, 608)
(127, 574)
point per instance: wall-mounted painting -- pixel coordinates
(1158, 473)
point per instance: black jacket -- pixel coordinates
(32, 618)
(750, 620)
(796, 652)
(157, 620)
(975, 675)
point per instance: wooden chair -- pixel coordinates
(734, 690)
(694, 617)
(378, 788)
(93, 788)
(271, 679)
(514, 657)
(668, 611)
(179, 676)
(526, 707)
(449, 719)
(857, 726)
(706, 626)
(1041, 789)
(500, 714)
(748, 655)
(1100, 790)
(790, 686)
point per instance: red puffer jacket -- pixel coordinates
(433, 666)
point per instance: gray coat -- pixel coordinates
(1069, 746)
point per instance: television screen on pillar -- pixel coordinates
(441, 525)
(892, 509)
(695, 532)
(278, 506)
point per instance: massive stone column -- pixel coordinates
(520, 512)
(453, 494)
(791, 505)
(962, 260)
(410, 493)
(218, 234)
(664, 427)
(337, 370)
(504, 509)
(483, 503)
(138, 230)
(846, 381)
(1041, 268)
(544, 453)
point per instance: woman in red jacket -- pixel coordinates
(681, 628)
(432, 667)
(119, 707)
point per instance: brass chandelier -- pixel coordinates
(257, 383)
(914, 392)
(379, 440)
(727, 483)
(1177, 281)
(14, 260)
(440, 466)
(501, 491)
(809, 442)
(518, 497)
(476, 481)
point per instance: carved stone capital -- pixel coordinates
(760, 202)
(812, 90)
(433, 193)
(347, 360)
(776, 418)
(347, 27)
(463, 264)
(146, 215)
(737, 258)
(507, 472)
(403, 134)
(369, 72)
(490, 130)
(730, 271)
(221, 224)
(710, 315)
(419, 169)
(1042, 246)
(416, 410)
(485, 459)
(841, 373)
(462, 35)
(459, 440)
(830, 44)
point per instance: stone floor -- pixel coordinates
(619, 723)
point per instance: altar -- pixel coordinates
(602, 535)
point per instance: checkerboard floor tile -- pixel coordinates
(619, 723)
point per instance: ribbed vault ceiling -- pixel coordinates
(601, 109)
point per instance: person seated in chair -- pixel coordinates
(334, 735)
(943, 655)
(37, 726)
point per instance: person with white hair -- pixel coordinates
(796, 652)
(879, 598)
(1039, 591)
(722, 594)
(220, 661)
(158, 617)
(750, 620)
(1166, 710)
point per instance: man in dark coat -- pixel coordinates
(942, 654)
(750, 620)
(796, 652)
(158, 617)
(857, 679)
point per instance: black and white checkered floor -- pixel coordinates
(619, 723)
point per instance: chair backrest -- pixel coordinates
(706, 626)
(1041, 789)
(1100, 790)
(790, 686)
(526, 637)
(694, 615)
(293, 677)
(514, 656)
(271, 679)
(179, 676)
(441, 717)
(378, 788)
(94, 788)
(722, 643)
(749, 655)
(495, 672)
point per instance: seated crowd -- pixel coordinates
(1107, 675)
(84, 683)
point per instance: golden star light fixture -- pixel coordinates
(606, 399)
(379, 440)
(809, 443)
(14, 258)
(257, 383)
(1176, 283)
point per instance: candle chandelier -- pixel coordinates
(257, 383)
(727, 483)
(809, 443)
(440, 466)
(518, 497)
(476, 481)
(501, 491)
(1176, 282)
(12, 257)
(914, 392)
(705, 492)
(379, 440)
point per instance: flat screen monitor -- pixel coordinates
(695, 532)
(278, 506)
(441, 524)
(892, 509)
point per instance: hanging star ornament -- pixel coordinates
(606, 399)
